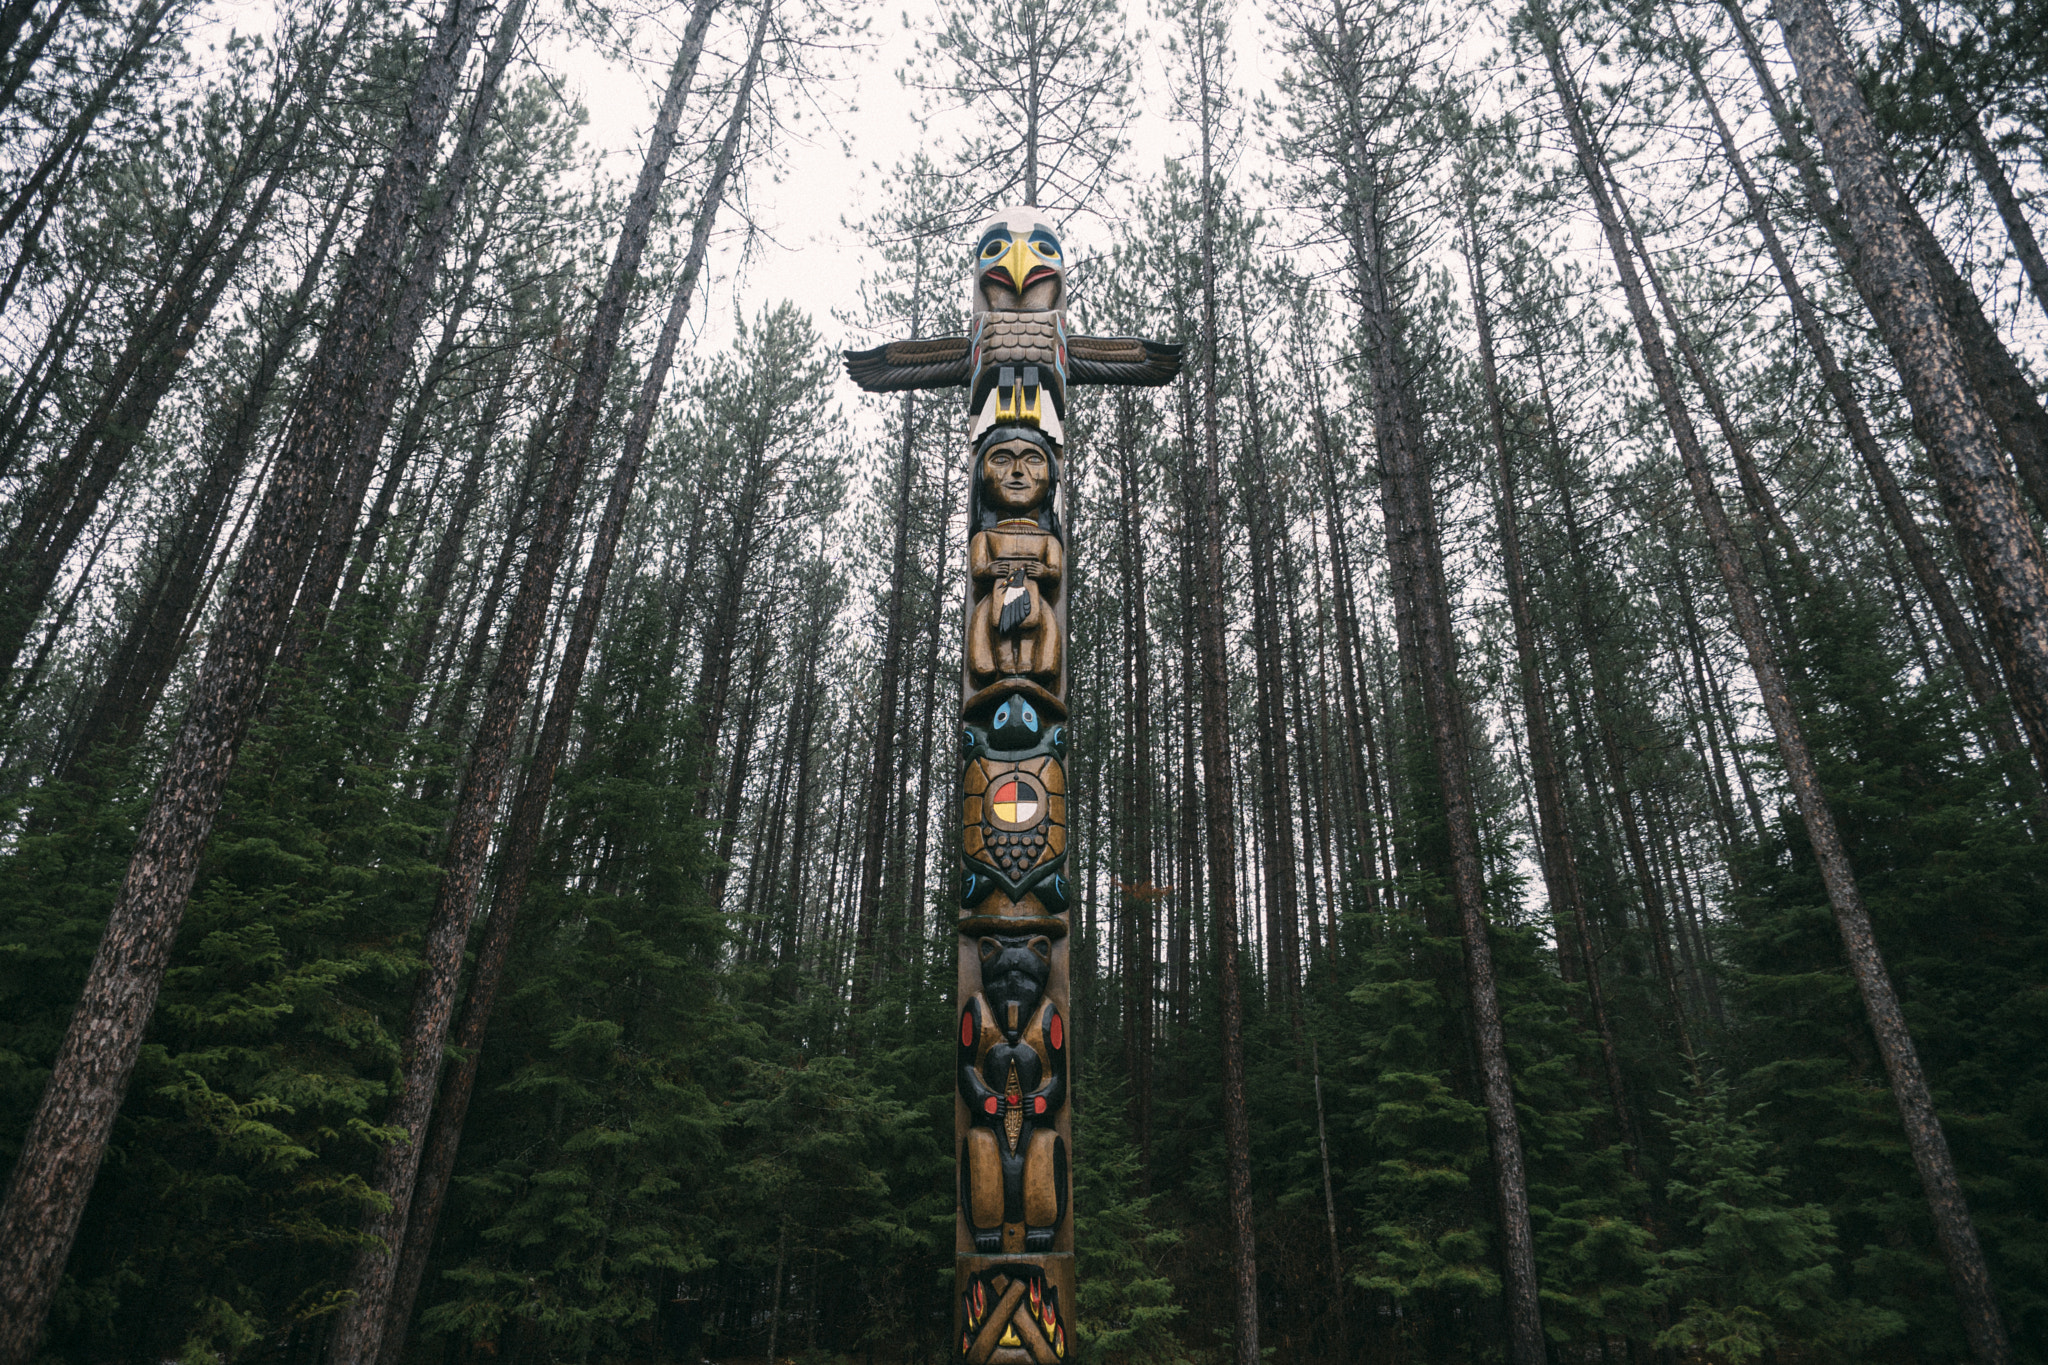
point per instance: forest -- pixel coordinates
(1559, 742)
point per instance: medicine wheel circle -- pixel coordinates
(1015, 803)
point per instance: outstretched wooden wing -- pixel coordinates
(939, 363)
(1121, 360)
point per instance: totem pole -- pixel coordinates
(1012, 1124)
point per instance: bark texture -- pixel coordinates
(358, 1330)
(1953, 1228)
(61, 1152)
(536, 785)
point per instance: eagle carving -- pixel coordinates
(1018, 359)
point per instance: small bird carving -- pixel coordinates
(1019, 358)
(1016, 603)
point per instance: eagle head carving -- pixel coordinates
(1019, 265)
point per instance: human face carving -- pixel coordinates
(1015, 476)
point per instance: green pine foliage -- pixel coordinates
(1755, 1272)
(228, 1210)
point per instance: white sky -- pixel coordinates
(806, 256)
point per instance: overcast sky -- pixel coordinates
(808, 256)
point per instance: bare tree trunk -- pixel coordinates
(1269, 660)
(69, 496)
(881, 779)
(1141, 900)
(18, 420)
(1415, 559)
(359, 1331)
(2007, 395)
(149, 648)
(61, 1152)
(1833, 97)
(918, 865)
(536, 784)
(1560, 862)
(2024, 243)
(408, 317)
(143, 29)
(1962, 641)
(1218, 797)
(2000, 548)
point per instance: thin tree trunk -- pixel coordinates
(25, 397)
(2024, 244)
(1142, 897)
(25, 59)
(1269, 661)
(408, 317)
(1560, 861)
(881, 778)
(149, 648)
(2004, 389)
(359, 1331)
(2000, 548)
(1218, 797)
(1956, 433)
(940, 597)
(69, 498)
(1962, 641)
(1315, 1063)
(1416, 560)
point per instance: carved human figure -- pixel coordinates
(1017, 562)
(1013, 1076)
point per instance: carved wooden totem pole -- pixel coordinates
(1012, 1123)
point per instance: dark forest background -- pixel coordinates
(699, 608)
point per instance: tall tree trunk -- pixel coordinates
(1283, 914)
(2000, 548)
(69, 497)
(143, 30)
(1142, 895)
(1956, 432)
(1956, 631)
(61, 1152)
(18, 420)
(142, 662)
(1415, 559)
(881, 780)
(940, 598)
(1218, 796)
(2024, 244)
(15, 70)
(2007, 395)
(359, 1330)
(408, 318)
(1560, 861)
(536, 784)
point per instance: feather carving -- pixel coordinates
(947, 362)
(1016, 603)
(937, 363)
(1122, 360)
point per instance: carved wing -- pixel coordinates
(940, 363)
(1121, 360)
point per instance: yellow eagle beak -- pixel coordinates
(1017, 262)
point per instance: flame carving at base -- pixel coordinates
(1011, 1316)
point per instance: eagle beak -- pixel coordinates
(1017, 262)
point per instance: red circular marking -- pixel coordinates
(1038, 1105)
(967, 1027)
(1058, 1034)
(989, 1105)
